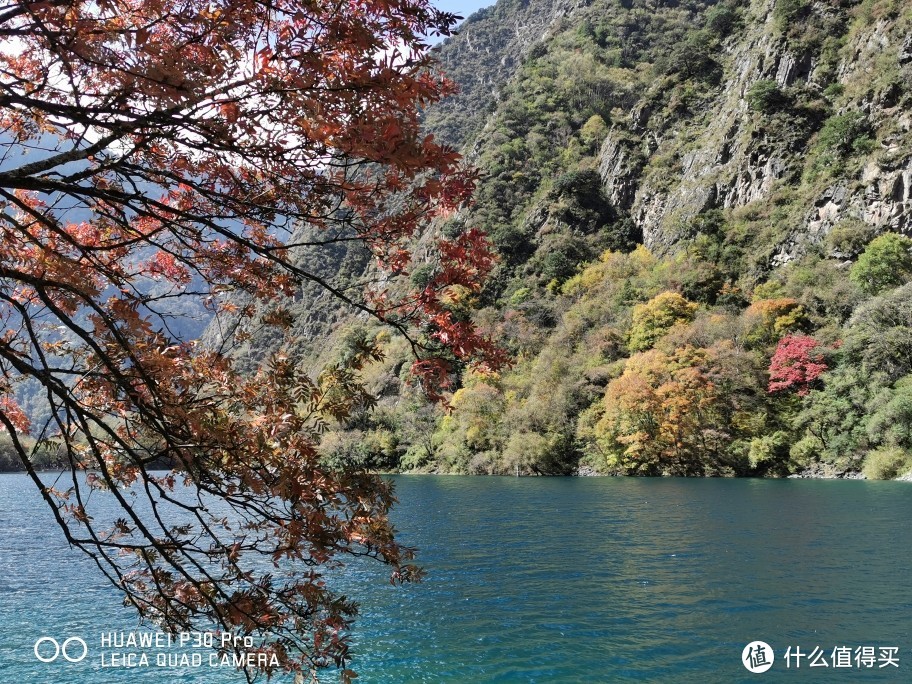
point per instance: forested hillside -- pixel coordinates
(700, 211)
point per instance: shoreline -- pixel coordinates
(818, 473)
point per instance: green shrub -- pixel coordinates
(693, 58)
(804, 452)
(803, 28)
(722, 19)
(885, 263)
(359, 450)
(656, 317)
(879, 336)
(560, 257)
(766, 97)
(834, 90)
(9, 459)
(829, 58)
(887, 463)
(843, 134)
(520, 296)
(848, 238)
(532, 452)
(513, 243)
(788, 11)
(891, 422)
(578, 201)
(833, 419)
(770, 453)
(594, 131)
(48, 456)
(422, 275)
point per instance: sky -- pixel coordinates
(462, 7)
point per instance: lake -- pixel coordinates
(556, 580)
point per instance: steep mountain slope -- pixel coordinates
(700, 211)
(490, 47)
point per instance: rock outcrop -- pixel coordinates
(724, 160)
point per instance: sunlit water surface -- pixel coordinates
(551, 580)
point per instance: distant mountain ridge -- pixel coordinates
(489, 48)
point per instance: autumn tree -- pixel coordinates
(656, 317)
(663, 414)
(767, 320)
(159, 155)
(796, 365)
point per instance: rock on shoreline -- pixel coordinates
(825, 471)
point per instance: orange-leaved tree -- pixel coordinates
(157, 152)
(663, 414)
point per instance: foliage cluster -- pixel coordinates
(161, 158)
(635, 378)
(701, 359)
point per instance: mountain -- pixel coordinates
(701, 210)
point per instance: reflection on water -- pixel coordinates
(556, 580)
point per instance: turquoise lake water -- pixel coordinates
(553, 580)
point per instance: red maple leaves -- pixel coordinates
(795, 365)
(184, 143)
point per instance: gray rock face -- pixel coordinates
(792, 69)
(725, 166)
(728, 163)
(881, 195)
(485, 53)
(905, 51)
(619, 172)
(824, 471)
(883, 199)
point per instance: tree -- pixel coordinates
(722, 19)
(843, 134)
(158, 153)
(764, 96)
(766, 320)
(796, 365)
(879, 336)
(890, 423)
(885, 263)
(594, 131)
(832, 418)
(656, 317)
(663, 414)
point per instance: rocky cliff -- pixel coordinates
(724, 157)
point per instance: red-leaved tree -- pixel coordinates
(154, 153)
(796, 365)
